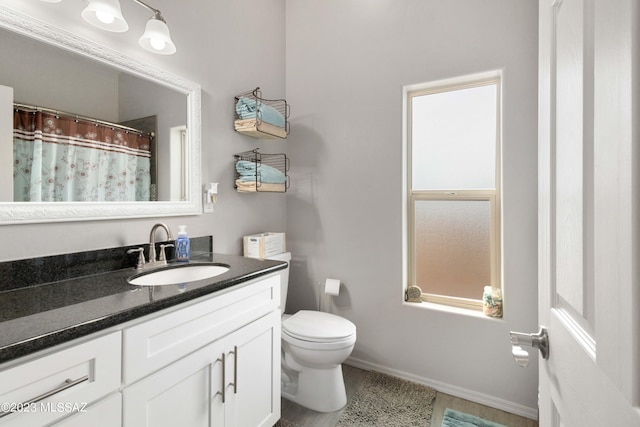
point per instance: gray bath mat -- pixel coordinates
(285, 423)
(386, 401)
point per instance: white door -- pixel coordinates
(589, 212)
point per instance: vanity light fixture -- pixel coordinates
(156, 37)
(106, 15)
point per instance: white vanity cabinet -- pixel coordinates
(213, 363)
(63, 387)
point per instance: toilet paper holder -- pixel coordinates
(539, 340)
(332, 287)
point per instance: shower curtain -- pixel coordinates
(60, 158)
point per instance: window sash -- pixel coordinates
(471, 195)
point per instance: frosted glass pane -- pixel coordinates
(453, 139)
(453, 247)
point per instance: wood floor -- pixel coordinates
(352, 378)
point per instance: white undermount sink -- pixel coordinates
(178, 274)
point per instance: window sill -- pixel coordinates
(451, 310)
(464, 303)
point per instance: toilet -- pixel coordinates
(314, 346)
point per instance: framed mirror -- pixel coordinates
(163, 104)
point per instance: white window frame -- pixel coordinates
(491, 195)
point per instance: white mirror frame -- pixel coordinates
(34, 212)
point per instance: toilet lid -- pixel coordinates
(318, 326)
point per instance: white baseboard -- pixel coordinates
(473, 396)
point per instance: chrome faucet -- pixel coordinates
(152, 244)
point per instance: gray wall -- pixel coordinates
(347, 62)
(71, 83)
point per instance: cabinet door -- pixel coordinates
(185, 393)
(253, 376)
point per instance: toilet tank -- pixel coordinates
(284, 276)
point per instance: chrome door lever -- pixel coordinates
(539, 341)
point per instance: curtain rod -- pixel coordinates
(79, 117)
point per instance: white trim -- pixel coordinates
(409, 196)
(30, 212)
(469, 80)
(463, 393)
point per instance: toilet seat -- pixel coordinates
(313, 345)
(318, 327)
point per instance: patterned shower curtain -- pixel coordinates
(60, 158)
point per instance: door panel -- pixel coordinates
(588, 212)
(569, 150)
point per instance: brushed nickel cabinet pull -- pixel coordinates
(68, 383)
(235, 369)
(224, 385)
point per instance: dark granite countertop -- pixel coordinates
(36, 317)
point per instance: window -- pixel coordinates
(453, 194)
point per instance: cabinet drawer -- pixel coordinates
(51, 387)
(104, 413)
(156, 343)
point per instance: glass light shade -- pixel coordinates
(156, 38)
(105, 14)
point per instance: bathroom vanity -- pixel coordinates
(199, 353)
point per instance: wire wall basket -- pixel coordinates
(259, 117)
(255, 172)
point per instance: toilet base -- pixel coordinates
(321, 390)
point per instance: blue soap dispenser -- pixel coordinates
(183, 245)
